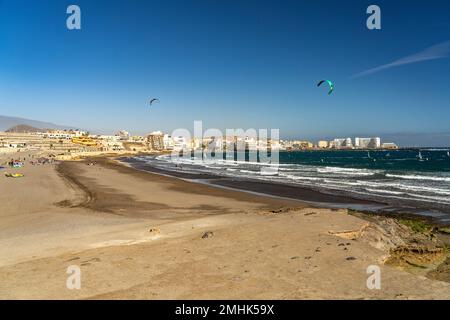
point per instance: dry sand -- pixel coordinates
(99, 218)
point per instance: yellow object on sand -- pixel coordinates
(14, 175)
(84, 141)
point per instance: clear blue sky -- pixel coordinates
(230, 63)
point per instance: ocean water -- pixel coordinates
(402, 178)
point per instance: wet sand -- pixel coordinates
(260, 187)
(311, 196)
(139, 235)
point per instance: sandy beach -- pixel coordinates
(140, 235)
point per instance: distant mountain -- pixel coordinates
(23, 128)
(414, 139)
(10, 122)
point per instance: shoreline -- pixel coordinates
(259, 187)
(309, 196)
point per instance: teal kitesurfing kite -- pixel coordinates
(331, 84)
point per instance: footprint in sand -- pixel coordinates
(73, 259)
(87, 262)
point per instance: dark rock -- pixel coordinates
(208, 234)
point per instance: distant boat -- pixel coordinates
(421, 158)
(269, 171)
(388, 154)
(369, 157)
(448, 154)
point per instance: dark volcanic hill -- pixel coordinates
(10, 122)
(23, 128)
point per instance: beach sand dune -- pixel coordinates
(139, 235)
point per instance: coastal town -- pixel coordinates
(64, 143)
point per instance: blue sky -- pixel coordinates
(230, 63)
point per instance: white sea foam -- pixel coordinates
(415, 186)
(398, 197)
(418, 177)
(442, 199)
(295, 177)
(347, 171)
(385, 191)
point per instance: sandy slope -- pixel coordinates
(99, 219)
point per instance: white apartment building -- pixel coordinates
(180, 143)
(342, 143)
(323, 144)
(168, 142)
(368, 143)
(389, 145)
(123, 135)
